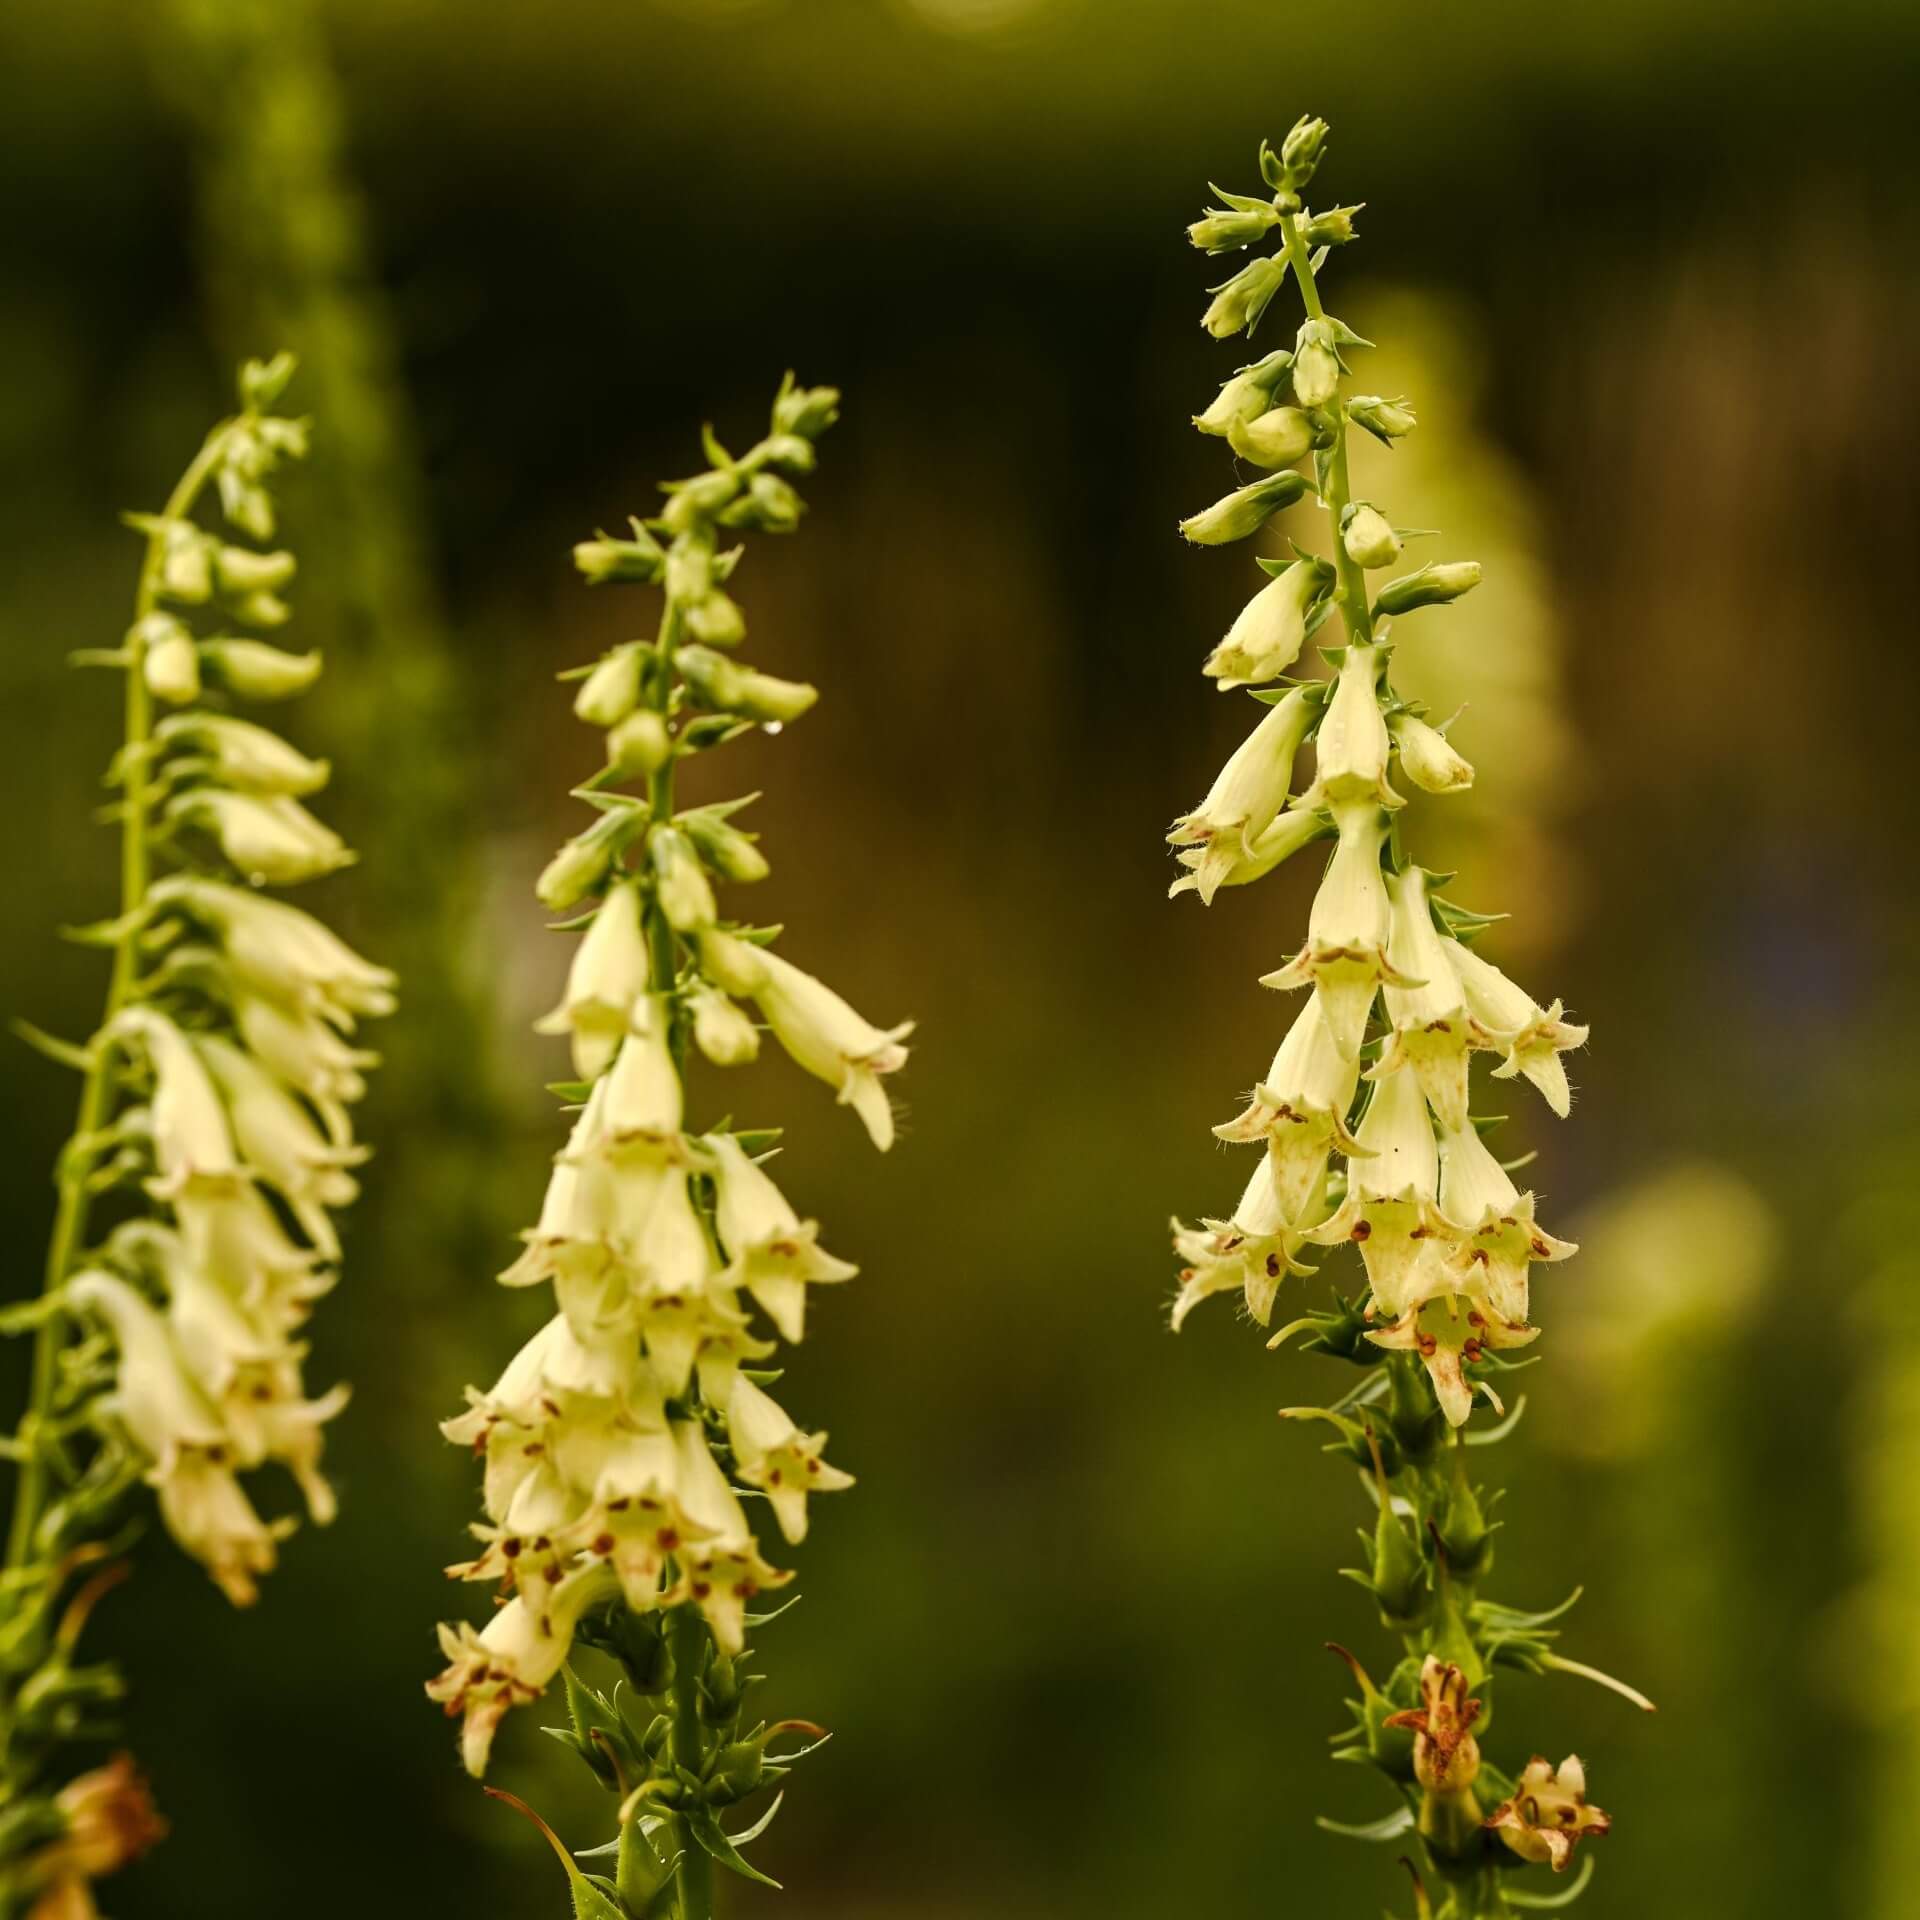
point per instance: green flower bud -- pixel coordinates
(727, 687)
(244, 572)
(1276, 438)
(685, 894)
(602, 559)
(611, 691)
(720, 1029)
(717, 620)
(769, 503)
(1387, 420)
(1301, 151)
(256, 671)
(688, 572)
(1399, 1571)
(728, 851)
(169, 662)
(700, 498)
(1432, 586)
(1334, 228)
(1238, 303)
(1462, 1526)
(737, 1772)
(1430, 760)
(1316, 365)
(791, 451)
(585, 860)
(262, 382)
(639, 745)
(1245, 511)
(806, 411)
(1247, 395)
(1239, 223)
(1368, 536)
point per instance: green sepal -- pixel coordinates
(62, 1052)
(704, 1825)
(593, 1897)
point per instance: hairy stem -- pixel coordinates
(689, 1641)
(71, 1210)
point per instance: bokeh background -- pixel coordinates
(1648, 270)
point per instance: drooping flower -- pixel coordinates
(1549, 1813)
(1531, 1036)
(1266, 638)
(1345, 958)
(605, 981)
(1498, 1236)
(1248, 793)
(1299, 1111)
(1433, 1033)
(1249, 1254)
(771, 1252)
(777, 1457)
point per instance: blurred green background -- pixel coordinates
(1648, 271)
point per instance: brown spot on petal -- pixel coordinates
(1362, 1229)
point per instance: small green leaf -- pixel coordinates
(704, 1825)
(1549, 1902)
(593, 1899)
(1390, 1827)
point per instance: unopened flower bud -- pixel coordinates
(1239, 223)
(1267, 637)
(1387, 420)
(1276, 438)
(583, 862)
(727, 687)
(1368, 536)
(1238, 303)
(609, 693)
(1316, 365)
(1247, 395)
(769, 502)
(685, 893)
(169, 661)
(243, 571)
(1432, 586)
(1428, 758)
(602, 559)
(807, 411)
(725, 848)
(721, 1030)
(639, 745)
(1245, 511)
(1334, 228)
(256, 671)
(262, 382)
(717, 620)
(1300, 152)
(701, 498)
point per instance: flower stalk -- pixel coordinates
(1364, 1124)
(192, 1224)
(627, 1443)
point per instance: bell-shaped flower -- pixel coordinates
(1451, 1331)
(514, 1660)
(1266, 638)
(1390, 1210)
(640, 1120)
(721, 1030)
(826, 1037)
(235, 1241)
(1290, 830)
(281, 951)
(272, 840)
(166, 1415)
(680, 880)
(723, 1571)
(270, 1418)
(771, 1252)
(1300, 1109)
(1433, 1032)
(1345, 956)
(773, 1454)
(607, 977)
(1249, 1254)
(577, 1236)
(306, 1052)
(1549, 1814)
(192, 1140)
(280, 1142)
(1531, 1036)
(1351, 749)
(213, 1330)
(1498, 1239)
(1250, 790)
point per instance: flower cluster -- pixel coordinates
(625, 1442)
(1363, 1121)
(213, 1123)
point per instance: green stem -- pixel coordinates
(688, 1633)
(71, 1210)
(1355, 607)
